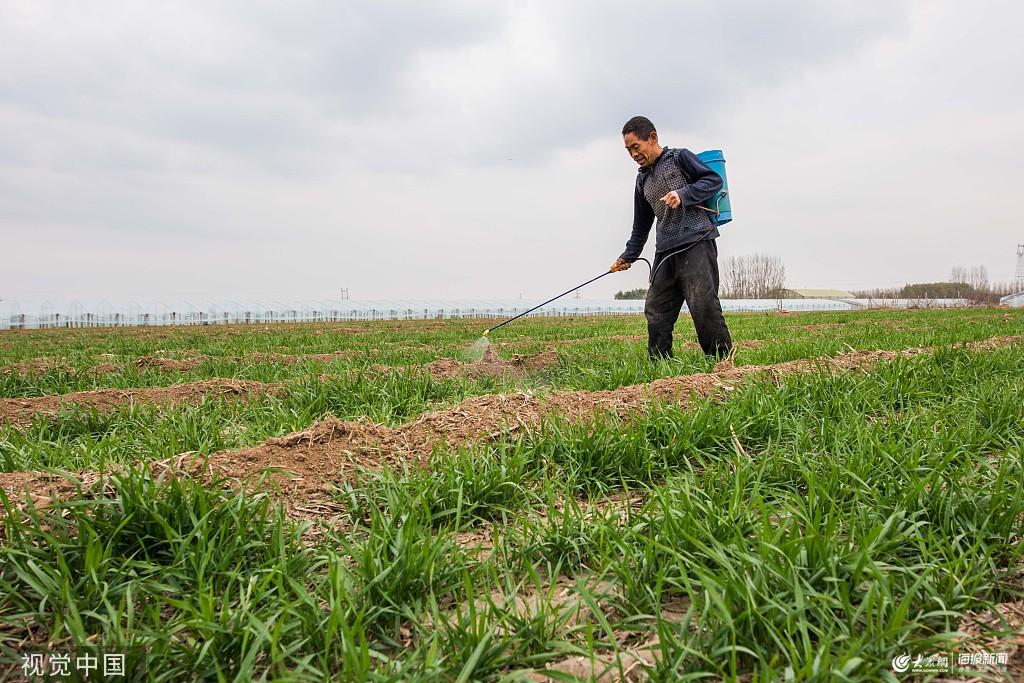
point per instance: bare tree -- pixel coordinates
(979, 278)
(734, 278)
(758, 276)
(975, 277)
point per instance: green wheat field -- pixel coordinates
(810, 523)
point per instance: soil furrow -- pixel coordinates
(307, 464)
(441, 368)
(21, 411)
(314, 458)
(163, 363)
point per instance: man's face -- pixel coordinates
(644, 152)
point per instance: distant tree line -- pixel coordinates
(964, 283)
(976, 277)
(758, 276)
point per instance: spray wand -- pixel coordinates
(653, 272)
(568, 291)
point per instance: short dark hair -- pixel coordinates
(639, 126)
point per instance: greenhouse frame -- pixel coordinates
(74, 314)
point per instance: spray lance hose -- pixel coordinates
(531, 310)
(650, 279)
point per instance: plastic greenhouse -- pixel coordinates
(27, 315)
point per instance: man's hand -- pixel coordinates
(672, 200)
(620, 264)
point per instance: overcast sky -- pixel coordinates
(221, 150)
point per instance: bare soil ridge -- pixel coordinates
(443, 367)
(166, 362)
(308, 464)
(21, 411)
(314, 458)
(490, 365)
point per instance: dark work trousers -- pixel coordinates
(690, 277)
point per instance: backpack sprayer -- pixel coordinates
(718, 206)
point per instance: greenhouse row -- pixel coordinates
(106, 314)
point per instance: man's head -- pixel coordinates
(641, 140)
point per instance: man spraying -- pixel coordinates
(671, 185)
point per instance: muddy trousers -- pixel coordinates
(690, 277)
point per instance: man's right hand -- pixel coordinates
(620, 264)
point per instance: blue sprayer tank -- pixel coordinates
(721, 208)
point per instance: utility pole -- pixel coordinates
(1019, 280)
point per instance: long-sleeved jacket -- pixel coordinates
(676, 170)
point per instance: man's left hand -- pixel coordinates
(672, 200)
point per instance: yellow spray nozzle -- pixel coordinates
(487, 332)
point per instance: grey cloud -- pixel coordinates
(354, 55)
(269, 82)
(254, 77)
(683, 64)
(486, 136)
